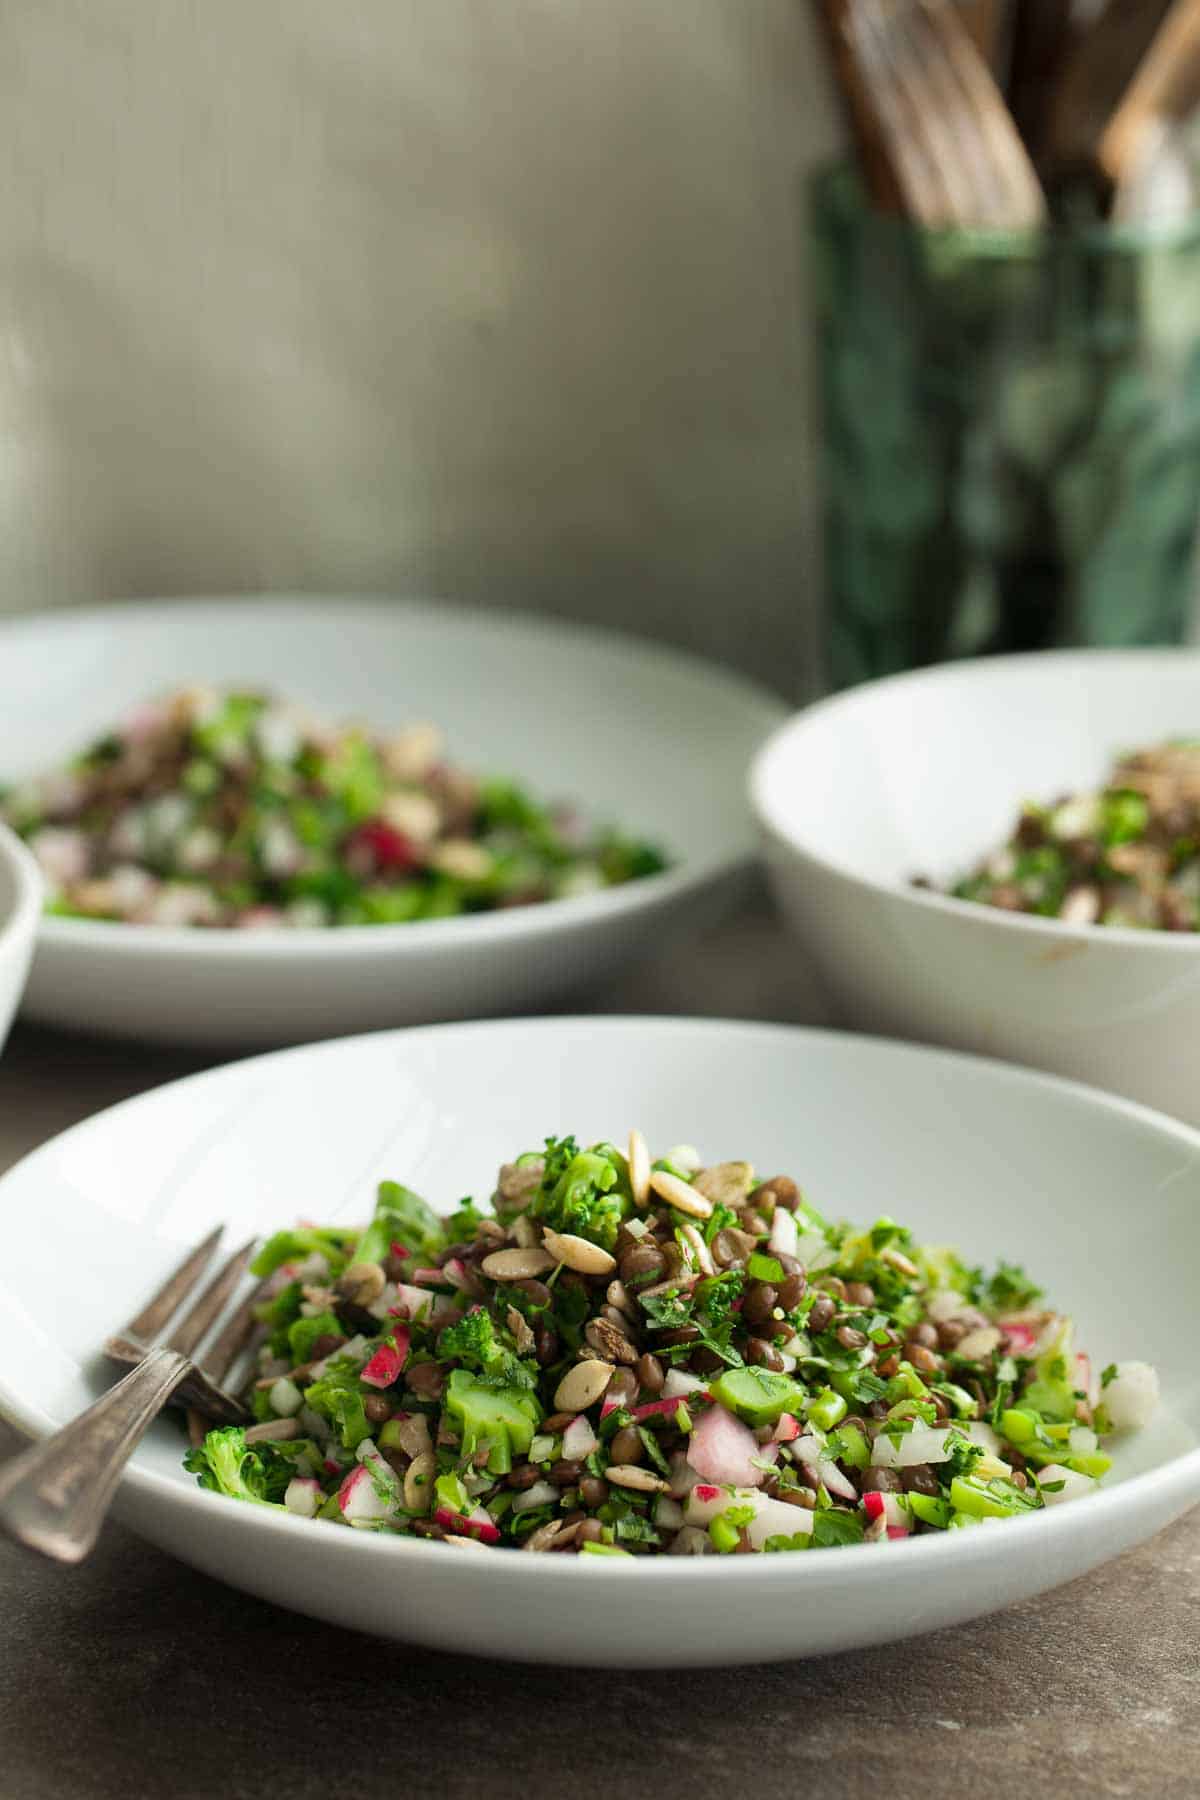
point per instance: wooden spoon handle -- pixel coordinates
(877, 168)
(1165, 88)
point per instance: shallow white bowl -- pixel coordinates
(923, 775)
(1100, 1198)
(648, 739)
(20, 910)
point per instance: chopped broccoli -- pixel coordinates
(583, 1192)
(227, 1465)
(338, 1397)
(401, 1217)
(473, 1341)
(294, 1245)
(504, 1418)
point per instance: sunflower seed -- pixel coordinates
(582, 1386)
(517, 1265)
(579, 1253)
(639, 1168)
(680, 1194)
(626, 1475)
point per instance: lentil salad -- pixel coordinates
(1126, 854)
(231, 808)
(628, 1357)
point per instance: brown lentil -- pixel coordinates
(645, 1259)
(821, 1314)
(627, 1446)
(920, 1479)
(793, 1290)
(590, 1532)
(783, 1190)
(765, 1355)
(761, 1300)
(850, 1338)
(880, 1481)
(950, 1333)
(650, 1373)
(566, 1472)
(860, 1293)
(925, 1335)
(523, 1476)
(545, 1345)
(683, 1334)
(923, 1360)
(377, 1408)
(425, 1380)
(593, 1492)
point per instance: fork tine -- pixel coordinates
(174, 1291)
(211, 1303)
(233, 1337)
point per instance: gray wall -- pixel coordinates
(498, 299)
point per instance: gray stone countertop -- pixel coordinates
(134, 1678)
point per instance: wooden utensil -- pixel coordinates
(1095, 73)
(1165, 89)
(862, 117)
(949, 138)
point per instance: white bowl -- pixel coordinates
(1100, 1199)
(20, 910)
(923, 775)
(648, 739)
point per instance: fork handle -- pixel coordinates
(54, 1496)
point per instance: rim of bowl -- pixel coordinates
(22, 918)
(677, 880)
(1178, 1478)
(782, 743)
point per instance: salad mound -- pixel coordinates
(628, 1358)
(1127, 854)
(231, 808)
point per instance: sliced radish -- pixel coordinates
(303, 1496)
(361, 1500)
(388, 1361)
(412, 1302)
(478, 1524)
(455, 1273)
(430, 1277)
(679, 1382)
(772, 1518)
(286, 1398)
(1074, 1485)
(945, 1304)
(579, 1440)
(784, 1236)
(923, 1444)
(787, 1428)
(1131, 1397)
(540, 1494)
(657, 1409)
(722, 1449)
(888, 1508)
(1022, 1336)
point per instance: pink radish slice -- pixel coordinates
(657, 1409)
(1022, 1338)
(412, 1302)
(478, 1524)
(787, 1428)
(430, 1277)
(454, 1272)
(303, 1496)
(679, 1383)
(888, 1508)
(400, 1253)
(722, 1449)
(358, 1499)
(389, 1360)
(579, 1440)
(811, 1452)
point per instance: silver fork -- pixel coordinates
(55, 1495)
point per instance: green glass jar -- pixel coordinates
(1012, 435)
